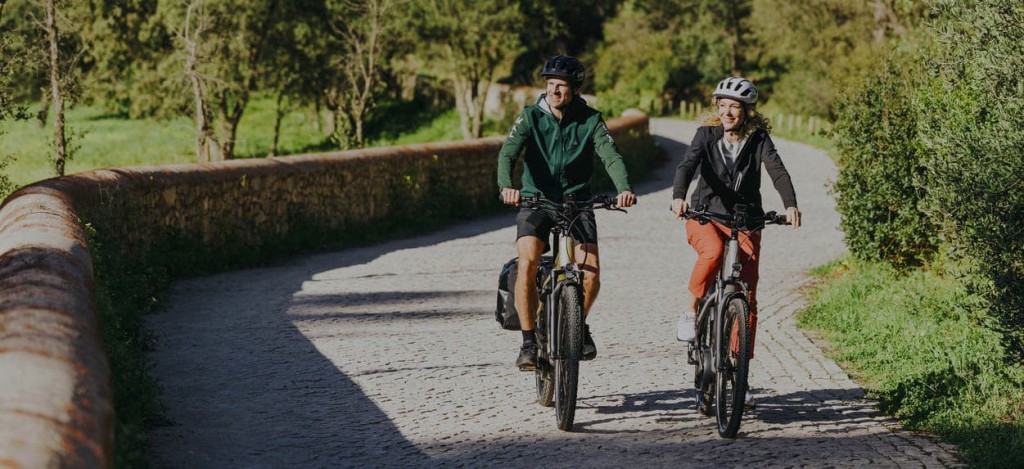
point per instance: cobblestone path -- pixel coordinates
(389, 356)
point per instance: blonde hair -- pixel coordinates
(752, 120)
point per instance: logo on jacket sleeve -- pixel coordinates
(607, 133)
(518, 121)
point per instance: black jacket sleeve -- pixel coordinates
(777, 171)
(689, 163)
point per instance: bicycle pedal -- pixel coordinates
(527, 367)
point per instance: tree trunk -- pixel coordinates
(461, 102)
(278, 117)
(479, 102)
(44, 108)
(200, 114)
(60, 140)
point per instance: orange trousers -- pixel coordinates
(709, 242)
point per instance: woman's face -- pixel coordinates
(730, 111)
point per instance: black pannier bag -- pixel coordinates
(505, 312)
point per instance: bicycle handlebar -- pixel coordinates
(737, 220)
(606, 202)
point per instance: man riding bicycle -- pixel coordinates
(729, 149)
(561, 135)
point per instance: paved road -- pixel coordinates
(389, 356)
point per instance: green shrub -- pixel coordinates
(881, 170)
(913, 340)
(973, 118)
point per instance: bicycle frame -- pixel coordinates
(560, 319)
(727, 286)
(716, 363)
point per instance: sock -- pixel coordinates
(529, 338)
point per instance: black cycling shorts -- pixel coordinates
(531, 222)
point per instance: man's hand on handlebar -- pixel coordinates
(625, 200)
(510, 196)
(679, 207)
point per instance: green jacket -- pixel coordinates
(559, 158)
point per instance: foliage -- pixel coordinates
(915, 342)
(124, 43)
(124, 293)
(12, 62)
(973, 120)
(881, 166)
(664, 50)
(363, 39)
(468, 43)
(558, 28)
(223, 49)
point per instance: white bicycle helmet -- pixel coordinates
(737, 88)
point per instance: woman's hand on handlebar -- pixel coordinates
(679, 207)
(625, 199)
(793, 216)
(510, 196)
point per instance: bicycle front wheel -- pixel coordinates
(567, 364)
(733, 366)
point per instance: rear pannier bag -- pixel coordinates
(505, 312)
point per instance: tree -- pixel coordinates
(469, 41)
(221, 49)
(558, 28)
(807, 47)
(363, 33)
(972, 118)
(58, 91)
(11, 61)
(672, 49)
(126, 41)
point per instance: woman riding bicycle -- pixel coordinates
(729, 149)
(561, 136)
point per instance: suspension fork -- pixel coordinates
(565, 272)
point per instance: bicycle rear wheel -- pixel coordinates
(545, 378)
(704, 368)
(567, 365)
(734, 364)
(545, 381)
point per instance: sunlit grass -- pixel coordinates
(99, 140)
(917, 345)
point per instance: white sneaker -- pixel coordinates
(749, 402)
(684, 329)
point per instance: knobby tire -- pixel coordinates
(731, 381)
(544, 376)
(703, 370)
(567, 367)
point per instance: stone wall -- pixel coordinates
(55, 396)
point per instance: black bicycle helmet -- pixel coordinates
(566, 68)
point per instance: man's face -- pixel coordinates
(559, 93)
(730, 111)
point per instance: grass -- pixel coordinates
(100, 140)
(917, 343)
